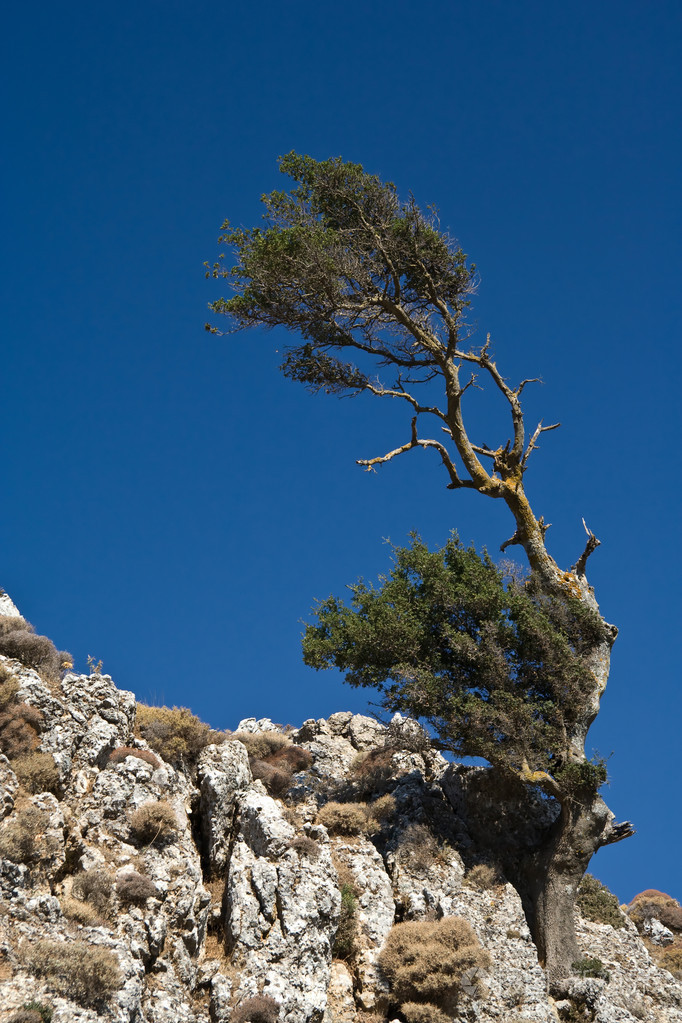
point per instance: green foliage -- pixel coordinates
(44, 1011)
(347, 931)
(598, 904)
(335, 257)
(495, 668)
(591, 967)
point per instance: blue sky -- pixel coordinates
(171, 504)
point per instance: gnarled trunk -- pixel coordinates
(548, 879)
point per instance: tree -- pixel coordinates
(517, 676)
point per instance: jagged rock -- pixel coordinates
(223, 773)
(658, 932)
(272, 873)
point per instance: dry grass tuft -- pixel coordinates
(136, 888)
(20, 834)
(37, 772)
(260, 1009)
(154, 823)
(343, 818)
(425, 962)
(118, 755)
(175, 733)
(76, 969)
(95, 887)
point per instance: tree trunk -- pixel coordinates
(550, 878)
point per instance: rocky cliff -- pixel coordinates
(260, 874)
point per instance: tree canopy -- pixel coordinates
(495, 667)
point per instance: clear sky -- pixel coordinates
(171, 504)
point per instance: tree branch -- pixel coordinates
(414, 442)
(590, 547)
(531, 444)
(383, 392)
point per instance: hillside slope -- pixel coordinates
(191, 876)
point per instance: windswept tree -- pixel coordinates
(372, 288)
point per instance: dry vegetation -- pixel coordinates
(19, 640)
(76, 969)
(261, 1009)
(424, 962)
(37, 772)
(598, 904)
(177, 735)
(154, 823)
(20, 835)
(118, 755)
(135, 888)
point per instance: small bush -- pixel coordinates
(82, 912)
(20, 833)
(118, 755)
(292, 758)
(260, 745)
(381, 810)
(407, 735)
(657, 905)
(276, 779)
(154, 823)
(19, 727)
(37, 772)
(591, 967)
(598, 904)
(25, 1016)
(425, 962)
(482, 876)
(305, 846)
(423, 1012)
(373, 771)
(77, 969)
(671, 959)
(136, 888)
(261, 1009)
(418, 848)
(343, 818)
(19, 640)
(9, 687)
(175, 733)
(95, 887)
(44, 1011)
(345, 941)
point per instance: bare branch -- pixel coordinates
(531, 380)
(414, 442)
(512, 541)
(383, 392)
(590, 547)
(531, 444)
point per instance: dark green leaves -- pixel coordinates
(495, 668)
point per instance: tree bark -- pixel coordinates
(550, 877)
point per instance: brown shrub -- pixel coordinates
(276, 779)
(305, 846)
(82, 912)
(18, 639)
(381, 810)
(118, 755)
(154, 823)
(19, 727)
(20, 833)
(260, 745)
(77, 969)
(292, 758)
(25, 1016)
(423, 1012)
(136, 888)
(343, 818)
(373, 771)
(482, 876)
(425, 962)
(175, 733)
(96, 887)
(418, 848)
(671, 959)
(37, 772)
(657, 905)
(261, 1009)
(9, 687)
